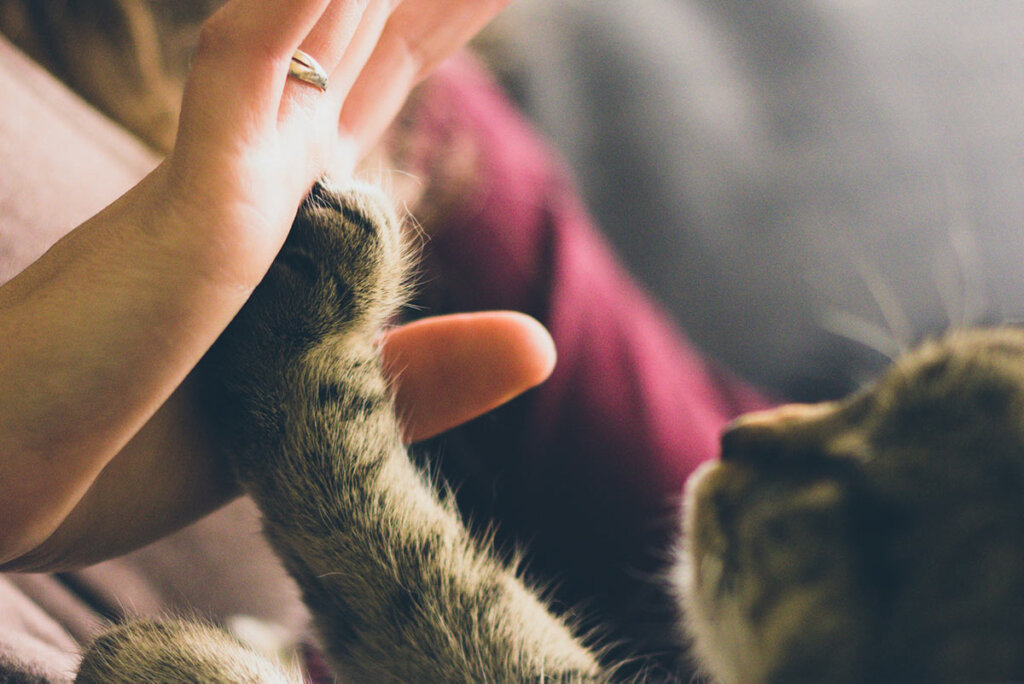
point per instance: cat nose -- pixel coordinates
(764, 435)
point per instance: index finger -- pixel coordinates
(418, 35)
(450, 369)
(241, 62)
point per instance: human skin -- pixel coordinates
(105, 449)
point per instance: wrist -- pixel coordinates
(99, 332)
(203, 231)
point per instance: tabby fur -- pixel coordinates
(875, 539)
(398, 589)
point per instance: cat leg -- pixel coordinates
(149, 652)
(398, 589)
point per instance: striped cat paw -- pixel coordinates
(339, 276)
(343, 266)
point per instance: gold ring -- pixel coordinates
(307, 70)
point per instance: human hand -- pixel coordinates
(449, 369)
(253, 157)
(102, 330)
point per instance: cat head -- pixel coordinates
(879, 538)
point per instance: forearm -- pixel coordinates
(399, 589)
(91, 352)
(167, 476)
(379, 557)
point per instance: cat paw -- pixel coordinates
(175, 651)
(343, 265)
(341, 269)
(339, 275)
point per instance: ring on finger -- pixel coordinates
(308, 70)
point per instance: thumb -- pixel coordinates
(449, 369)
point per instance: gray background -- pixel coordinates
(807, 186)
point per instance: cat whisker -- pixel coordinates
(329, 574)
(900, 329)
(959, 284)
(862, 331)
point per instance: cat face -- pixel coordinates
(879, 538)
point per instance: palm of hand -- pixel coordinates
(251, 159)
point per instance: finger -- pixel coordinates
(240, 67)
(450, 369)
(344, 36)
(419, 34)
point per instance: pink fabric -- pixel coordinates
(525, 242)
(587, 470)
(60, 161)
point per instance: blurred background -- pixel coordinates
(807, 186)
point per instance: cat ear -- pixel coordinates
(765, 436)
(795, 432)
